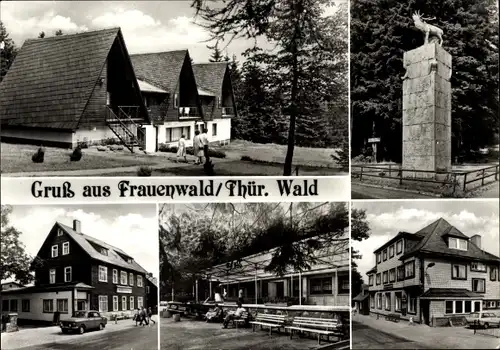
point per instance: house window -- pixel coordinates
(140, 303)
(176, 100)
(5, 305)
(378, 279)
(477, 306)
(391, 251)
(343, 284)
(372, 302)
(67, 274)
(219, 104)
(321, 285)
(399, 247)
(397, 297)
(385, 276)
(115, 276)
(392, 275)
(457, 243)
(478, 267)
(103, 274)
(48, 305)
(55, 251)
(124, 303)
(13, 305)
(214, 129)
(478, 285)
(410, 269)
(379, 301)
(62, 305)
(123, 278)
(370, 280)
(115, 302)
(131, 279)
(400, 273)
(493, 273)
(52, 276)
(131, 303)
(65, 248)
(385, 254)
(25, 305)
(139, 281)
(412, 304)
(174, 134)
(468, 306)
(378, 258)
(458, 272)
(147, 289)
(59, 232)
(459, 307)
(103, 303)
(448, 307)
(491, 304)
(103, 251)
(387, 301)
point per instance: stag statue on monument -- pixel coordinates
(426, 28)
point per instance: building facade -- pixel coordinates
(73, 272)
(433, 275)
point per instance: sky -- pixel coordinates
(147, 26)
(132, 228)
(386, 219)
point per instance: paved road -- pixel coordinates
(365, 337)
(368, 192)
(140, 338)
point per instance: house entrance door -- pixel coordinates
(424, 311)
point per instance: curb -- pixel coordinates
(398, 189)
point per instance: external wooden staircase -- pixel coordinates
(125, 127)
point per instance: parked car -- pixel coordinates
(83, 321)
(483, 319)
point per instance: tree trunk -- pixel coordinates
(287, 171)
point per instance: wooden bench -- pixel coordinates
(320, 326)
(269, 320)
(393, 317)
(243, 319)
(177, 309)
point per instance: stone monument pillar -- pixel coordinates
(427, 110)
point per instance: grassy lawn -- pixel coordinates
(17, 158)
(189, 334)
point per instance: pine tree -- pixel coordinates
(41, 35)
(59, 32)
(382, 30)
(216, 55)
(8, 51)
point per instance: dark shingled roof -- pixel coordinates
(160, 69)
(51, 79)
(434, 242)
(113, 257)
(450, 293)
(360, 297)
(48, 288)
(210, 76)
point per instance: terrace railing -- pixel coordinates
(124, 126)
(227, 111)
(450, 178)
(188, 112)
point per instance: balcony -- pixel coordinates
(188, 112)
(227, 111)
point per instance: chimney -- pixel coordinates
(77, 226)
(476, 239)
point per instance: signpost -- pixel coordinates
(374, 141)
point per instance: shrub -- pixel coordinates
(246, 158)
(101, 148)
(144, 171)
(82, 144)
(110, 141)
(76, 155)
(215, 153)
(39, 156)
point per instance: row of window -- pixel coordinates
(325, 286)
(125, 279)
(47, 305)
(55, 249)
(384, 301)
(68, 275)
(401, 273)
(103, 303)
(12, 305)
(397, 247)
(176, 101)
(462, 306)
(459, 271)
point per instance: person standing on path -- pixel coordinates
(198, 147)
(204, 143)
(181, 150)
(150, 316)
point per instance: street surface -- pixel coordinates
(365, 337)
(131, 338)
(368, 192)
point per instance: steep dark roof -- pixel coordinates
(372, 270)
(161, 69)
(113, 256)
(413, 236)
(450, 293)
(51, 79)
(360, 297)
(210, 76)
(434, 242)
(48, 288)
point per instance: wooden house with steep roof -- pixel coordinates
(170, 93)
(68, 89)
(74, 272)
(217, 98)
